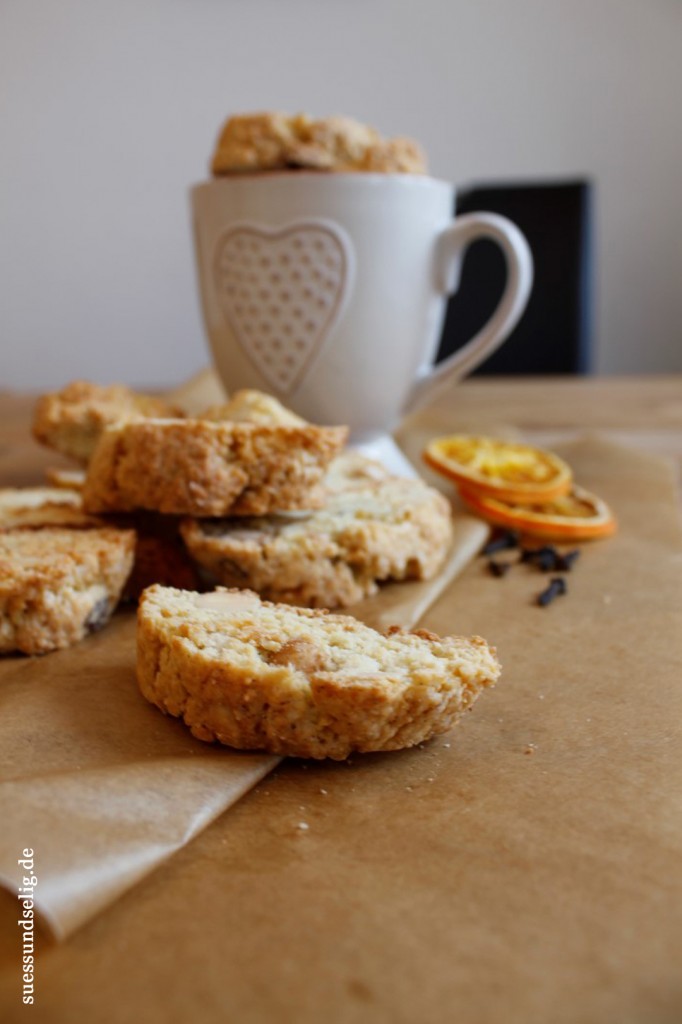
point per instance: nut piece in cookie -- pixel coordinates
(12, 498)
(57, 585)
(42, 506)
(65, 479)
(71, 420)
(205, 468)
(368, 532)
(261, 676)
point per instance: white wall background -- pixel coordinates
(109, 110)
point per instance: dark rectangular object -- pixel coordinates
(554, 335)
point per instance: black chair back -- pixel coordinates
(554, 335)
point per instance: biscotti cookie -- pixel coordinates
(253, 142)
(348, 469)
(204, 468)
(42, 506)
(57, 585)
(71, 420)
(274, 141)
(160, 555)
(395, 529)
(251, 406)
(330, 143)
(260, 676)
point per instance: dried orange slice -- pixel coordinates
(575, 516)
(503, 469)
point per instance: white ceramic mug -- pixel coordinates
(329, 290)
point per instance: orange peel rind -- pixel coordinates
(510, 471)
(578, 515)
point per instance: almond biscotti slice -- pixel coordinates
(303, 683)
(202, 468)
(160, 555)
(71, 420)
(369, 532)
(57, 585)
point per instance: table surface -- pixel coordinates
(168, 957)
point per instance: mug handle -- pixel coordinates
(449, 252)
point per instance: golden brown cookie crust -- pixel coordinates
(297, 682)
(57, 585)
(71, 420)
(395, 156)
(250, 143)
(368, 532)
(204, 468)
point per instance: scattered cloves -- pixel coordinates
(556, 587)
(545, 558)
(565, 562)
(509, 539)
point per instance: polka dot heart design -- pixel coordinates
(281, 293)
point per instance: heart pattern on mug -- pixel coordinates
(281, 292)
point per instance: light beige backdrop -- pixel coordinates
(109, 110)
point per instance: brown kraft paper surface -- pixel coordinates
(106, 787)
(524, 867)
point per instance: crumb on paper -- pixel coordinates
(303, 826)
(530, 748)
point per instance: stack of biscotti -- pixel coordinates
(261, 498)
(69, 553)
(252, 496)
(63, 570)
(371, 527)
(248, 494)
